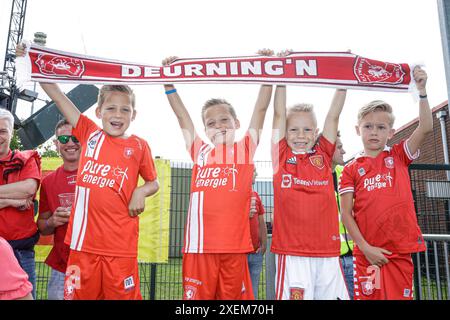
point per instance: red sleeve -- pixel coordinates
(147, 167)
(278, 150)
(195, 148)
(401, 150)
(326, 146)
(84, 128)
(14, 282)
(346, 181)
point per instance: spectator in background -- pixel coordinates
(346, 241)
(14, 282)
(54, 214)
(258, 231)
(20, 175)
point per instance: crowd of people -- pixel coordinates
(339, 231)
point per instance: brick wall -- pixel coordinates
(432, 149)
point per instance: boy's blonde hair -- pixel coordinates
(302, 107)
(214, 102)
(376, 105)
(115, 88)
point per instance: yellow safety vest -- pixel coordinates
(346, 240)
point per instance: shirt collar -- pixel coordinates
(362, 154)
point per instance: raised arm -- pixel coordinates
(425, 115)
(331, 124)
(65, 106)
(279, 114)
(259, 112)
(183, 117)
(262, 103)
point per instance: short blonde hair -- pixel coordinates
(302, 107)
(214, 102)
(115, 88)
(376, 105)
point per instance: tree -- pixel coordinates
(16, 144)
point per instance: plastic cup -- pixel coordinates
(66, 200)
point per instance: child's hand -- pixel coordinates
(421, 77)
(169, 60)
(137, 202)
(265, 52)
(375, 255)
(284, 53)
(20, 50)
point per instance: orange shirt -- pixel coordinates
(107, 176)
(383, 204)
(305, 221)
(221, 188)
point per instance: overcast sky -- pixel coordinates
(148, 31)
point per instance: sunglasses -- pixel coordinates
(65, 138)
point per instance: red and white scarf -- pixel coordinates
(323, 69)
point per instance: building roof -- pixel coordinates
(412, 122)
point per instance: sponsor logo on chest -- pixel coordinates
(380, 181)
(216, 177)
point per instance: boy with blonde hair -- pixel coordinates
(305, 236)
(217, 231)
(376, 201)
(104, 226)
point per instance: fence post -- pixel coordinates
(270, 270)
(152, 281)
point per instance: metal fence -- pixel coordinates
(432, 276)
(431, 194)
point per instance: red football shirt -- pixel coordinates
(107, 176)
(254, 221)
(383, 204)
(19, 224)
(57, 182)
(221, 188)
(305, 221)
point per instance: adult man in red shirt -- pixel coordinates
(53, 214)
(20, 175)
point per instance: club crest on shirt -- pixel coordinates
(317, 161)
(286, 181)
(189, 292)
(389, 162)
(361, 172)
(128, 152)
(296, 293)
(367, 287)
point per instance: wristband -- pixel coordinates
(422, 97)
(171, 91)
